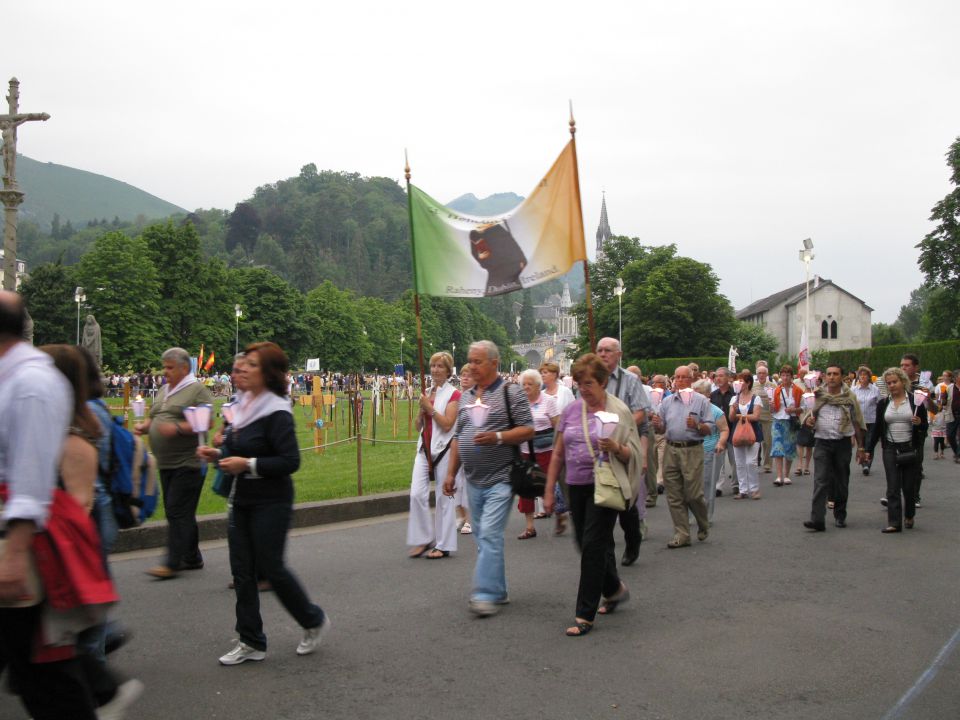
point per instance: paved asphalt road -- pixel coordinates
(764, 620)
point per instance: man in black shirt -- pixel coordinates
(721, 397)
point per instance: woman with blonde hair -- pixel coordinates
(434, 537)
(900, 428)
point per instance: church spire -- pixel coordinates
(604, 232)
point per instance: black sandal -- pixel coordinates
(437, 554)
(424, 549)
(609, 605)
(582, 627)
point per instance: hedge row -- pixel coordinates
(934, 356)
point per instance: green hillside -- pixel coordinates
(491, 205)
(80, 196)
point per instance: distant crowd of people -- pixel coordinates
(598, 448)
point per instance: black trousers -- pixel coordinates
(258, 538)
(49, 691)
(901, 480)
(593, 530)
(952, 429)
(630, 524)
(181, 494)
(831, 477)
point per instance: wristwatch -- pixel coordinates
(499, 438)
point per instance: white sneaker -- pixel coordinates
(313, 636)
(241, 653)
(126, 695)
(466, 529)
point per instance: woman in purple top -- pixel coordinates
(601, 589)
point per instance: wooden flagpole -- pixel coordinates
(586, 269)
(416, 291)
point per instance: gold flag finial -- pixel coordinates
(406, 165)
(573, 123)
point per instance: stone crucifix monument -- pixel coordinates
(10, 195)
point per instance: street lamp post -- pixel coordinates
(402, 338)
(79, 297)
(239, 314)
(618, 291)
(806, 255)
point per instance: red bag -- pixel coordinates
(744, 436)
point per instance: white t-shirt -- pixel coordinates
(563, 397)
(544, 410)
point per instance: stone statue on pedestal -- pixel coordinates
(91, 339)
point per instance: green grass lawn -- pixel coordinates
(333, 474)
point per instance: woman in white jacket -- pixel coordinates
(435, 537)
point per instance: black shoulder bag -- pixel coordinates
(527, 478)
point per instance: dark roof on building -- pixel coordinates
(790, 296)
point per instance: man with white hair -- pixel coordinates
(762, 388)
(484, 443)
(175, 446)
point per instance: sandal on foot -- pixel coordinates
(908, 522)
(561, 525)
(891, 529)
(608, 605)
(423, 550)
(787, 481)
(437, 554)
(527, 534)
(466, 529)
(541, 516)
(806, 472)
(798, 473)
(580, 629)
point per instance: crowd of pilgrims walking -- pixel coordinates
(692, 437)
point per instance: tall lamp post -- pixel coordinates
(618, 291)
(238, 313)
(79, 297)
(806, 255)
(402, 338)
(453, 352)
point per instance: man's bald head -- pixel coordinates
(13, 316)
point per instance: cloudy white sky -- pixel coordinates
(732, 129)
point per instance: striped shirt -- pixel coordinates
(486, 465)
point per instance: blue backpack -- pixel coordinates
(132, 477)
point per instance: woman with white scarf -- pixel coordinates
(261, 453)
(435, 537)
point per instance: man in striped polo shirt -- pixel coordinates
(485, 446)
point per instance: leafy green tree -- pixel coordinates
(273, 311)
(753, 343)
(884, 334)
(940, 249)
(336, 329)
(243, 227)
(910, 318)
(123, 292)
(268, 253)
(48, 295)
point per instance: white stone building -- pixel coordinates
(21, 270)
(838, 319)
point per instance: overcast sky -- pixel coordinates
(732, 129)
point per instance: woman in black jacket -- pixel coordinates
(261, 453)
(900, 428)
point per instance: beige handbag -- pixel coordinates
(606, 490)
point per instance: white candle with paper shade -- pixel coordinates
(605, 423)
(656, 396)
(919, 398)
(810, 379)
(478, 413)
(199, 417)
(139, 407)
(808, 399)
(737, 384)
(771, 391)
(686, 395)
(227, 411)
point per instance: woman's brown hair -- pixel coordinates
(273, 365)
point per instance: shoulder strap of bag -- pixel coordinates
(586, 430)
(506, 404)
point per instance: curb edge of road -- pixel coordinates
(214, 527)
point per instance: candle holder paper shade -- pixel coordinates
(737, 384)
(227, 411)
(810, 379)
(478, 413)
(656, 396)
(686, 395)
(771, 392)
(920, 397)
(808, 400)
(608, 423)
(199, 417)
(139, 407)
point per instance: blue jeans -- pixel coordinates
(489, 510)
(710, 460)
